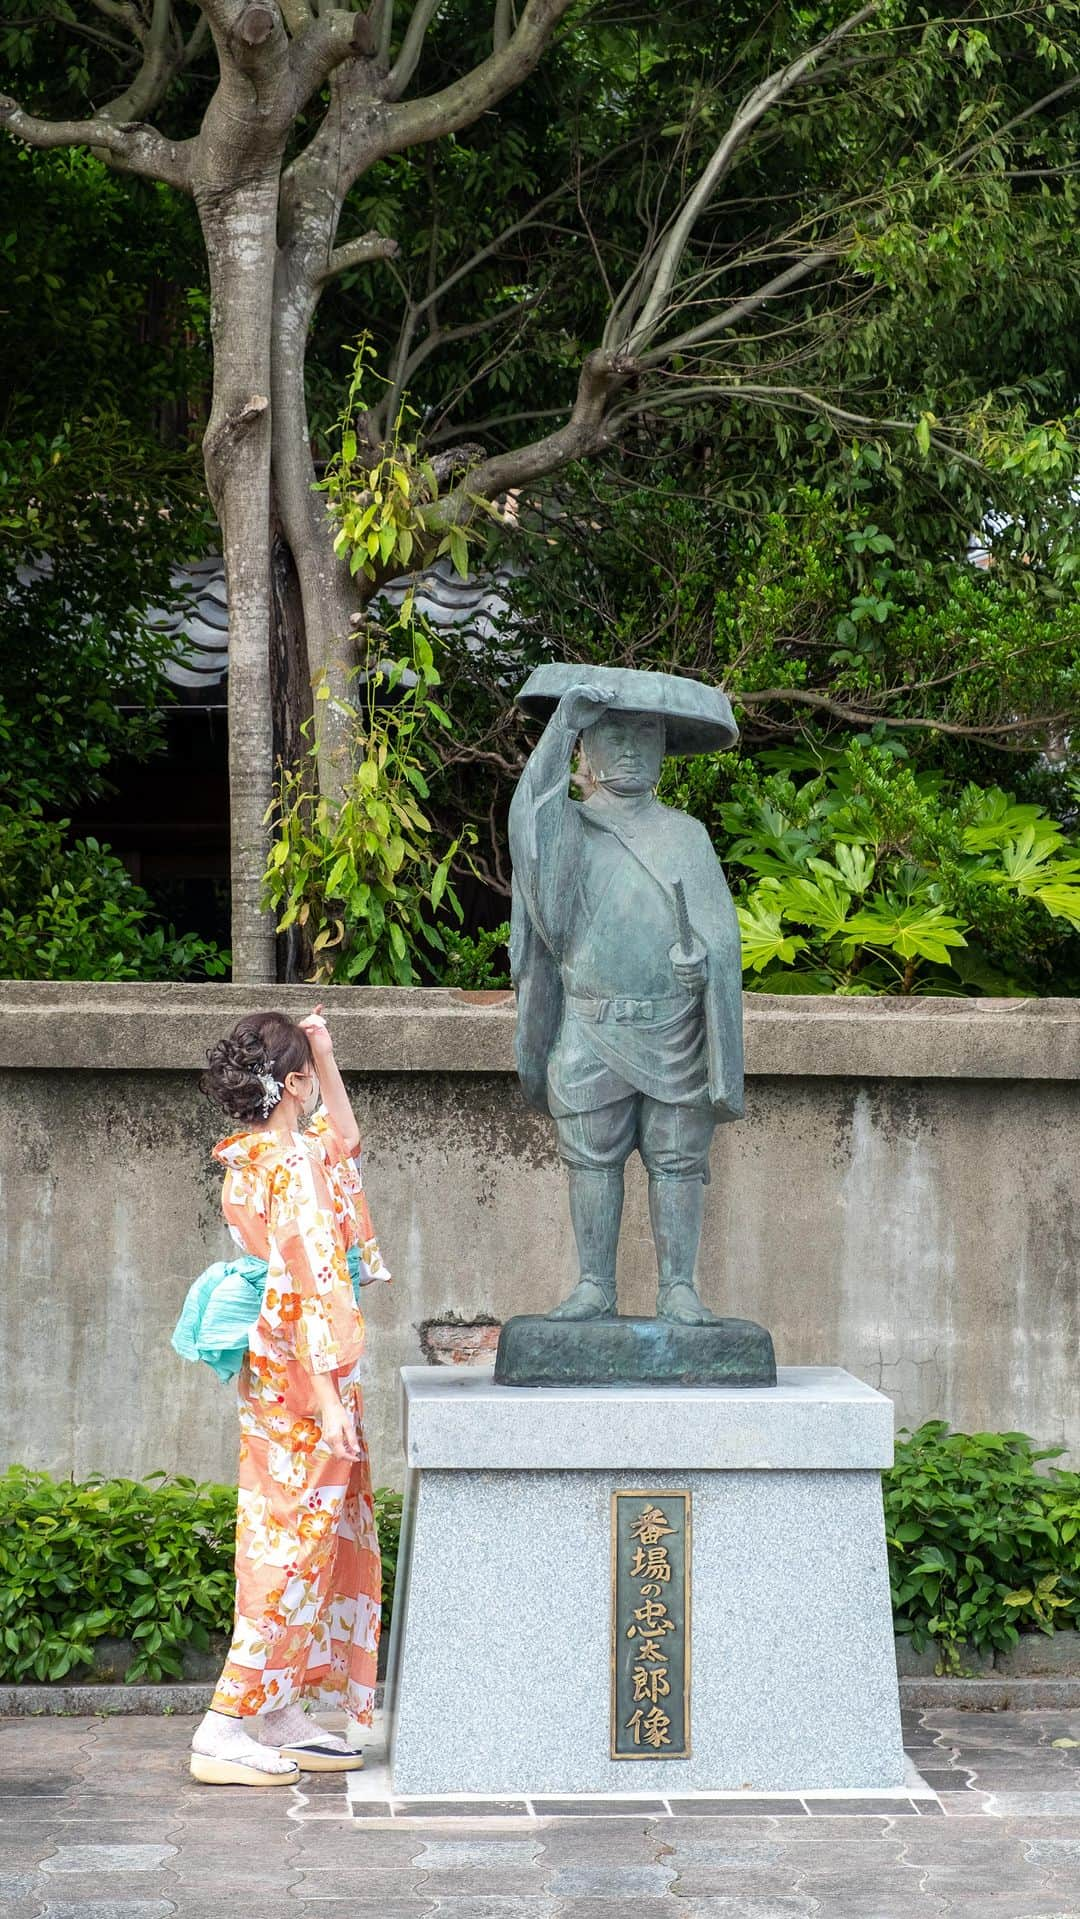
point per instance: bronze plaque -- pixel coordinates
(650, 1625)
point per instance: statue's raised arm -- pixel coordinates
(544, 822)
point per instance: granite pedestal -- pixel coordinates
(500, 1657)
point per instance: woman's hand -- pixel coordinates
(339, 1431)
(334, 1097)
(318, 1035)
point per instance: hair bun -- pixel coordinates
(231, 1078)
(261, 1044)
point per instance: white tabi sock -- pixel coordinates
(219, 1737)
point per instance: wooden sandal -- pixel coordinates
(312, 1756)
(233, 1772)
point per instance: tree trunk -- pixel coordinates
(290, 680)
(239, 228)
(330, 599)
(290, 687)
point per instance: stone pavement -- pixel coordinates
(99, 1819)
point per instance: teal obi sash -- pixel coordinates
(222, 1306)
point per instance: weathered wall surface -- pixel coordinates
(903, 1199)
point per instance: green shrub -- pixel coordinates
(147, 1560)
(71, 910)
(362, 880)
(388, 1520)
(856, 872)
(982, 1544)
(480, 963)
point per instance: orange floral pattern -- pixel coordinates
(308, 1577)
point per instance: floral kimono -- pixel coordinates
(308, 1580)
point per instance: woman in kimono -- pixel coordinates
(308, 1580)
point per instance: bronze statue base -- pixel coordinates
(534, 1351)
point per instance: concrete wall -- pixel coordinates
(903, 1198)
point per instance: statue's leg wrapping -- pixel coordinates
(594, 1148)
(596, 1203)
(675, 1147)
(676, 1210)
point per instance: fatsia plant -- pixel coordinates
(856, 874)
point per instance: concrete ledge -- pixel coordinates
(991, 1695)
(75, 1025)
(814, 1418)
(84, 1702)
(922, 1695)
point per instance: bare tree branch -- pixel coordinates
(416, 309)
(471, 330)
(802, 399)
(198, 40)
(99, 36)
(359, 252)
(1018, 119)
(583, 432)
(659, 278)
(857, 714)
(518, 314)
(162, 56)
(385, 28)
(499, 420)
(492, 246)
(324, 44)
(740, 310)
(298, 14)
(125, 14)
(464, 100)
(155, 30)
(411, 48)
(133, 148)
(502, 25)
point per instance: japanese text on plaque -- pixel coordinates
(650, 1665)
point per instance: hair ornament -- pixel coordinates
(272, 1091)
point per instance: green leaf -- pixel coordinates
(911, 932)
(1062, 901)
(823, 903)
(764, 940)
(459, 552)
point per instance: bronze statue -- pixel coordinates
(625, 955)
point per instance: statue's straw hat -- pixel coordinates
(697, 718)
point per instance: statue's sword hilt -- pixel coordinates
(686, 931)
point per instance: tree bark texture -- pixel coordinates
(239, 229)
(290, 698)
(331, 602)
